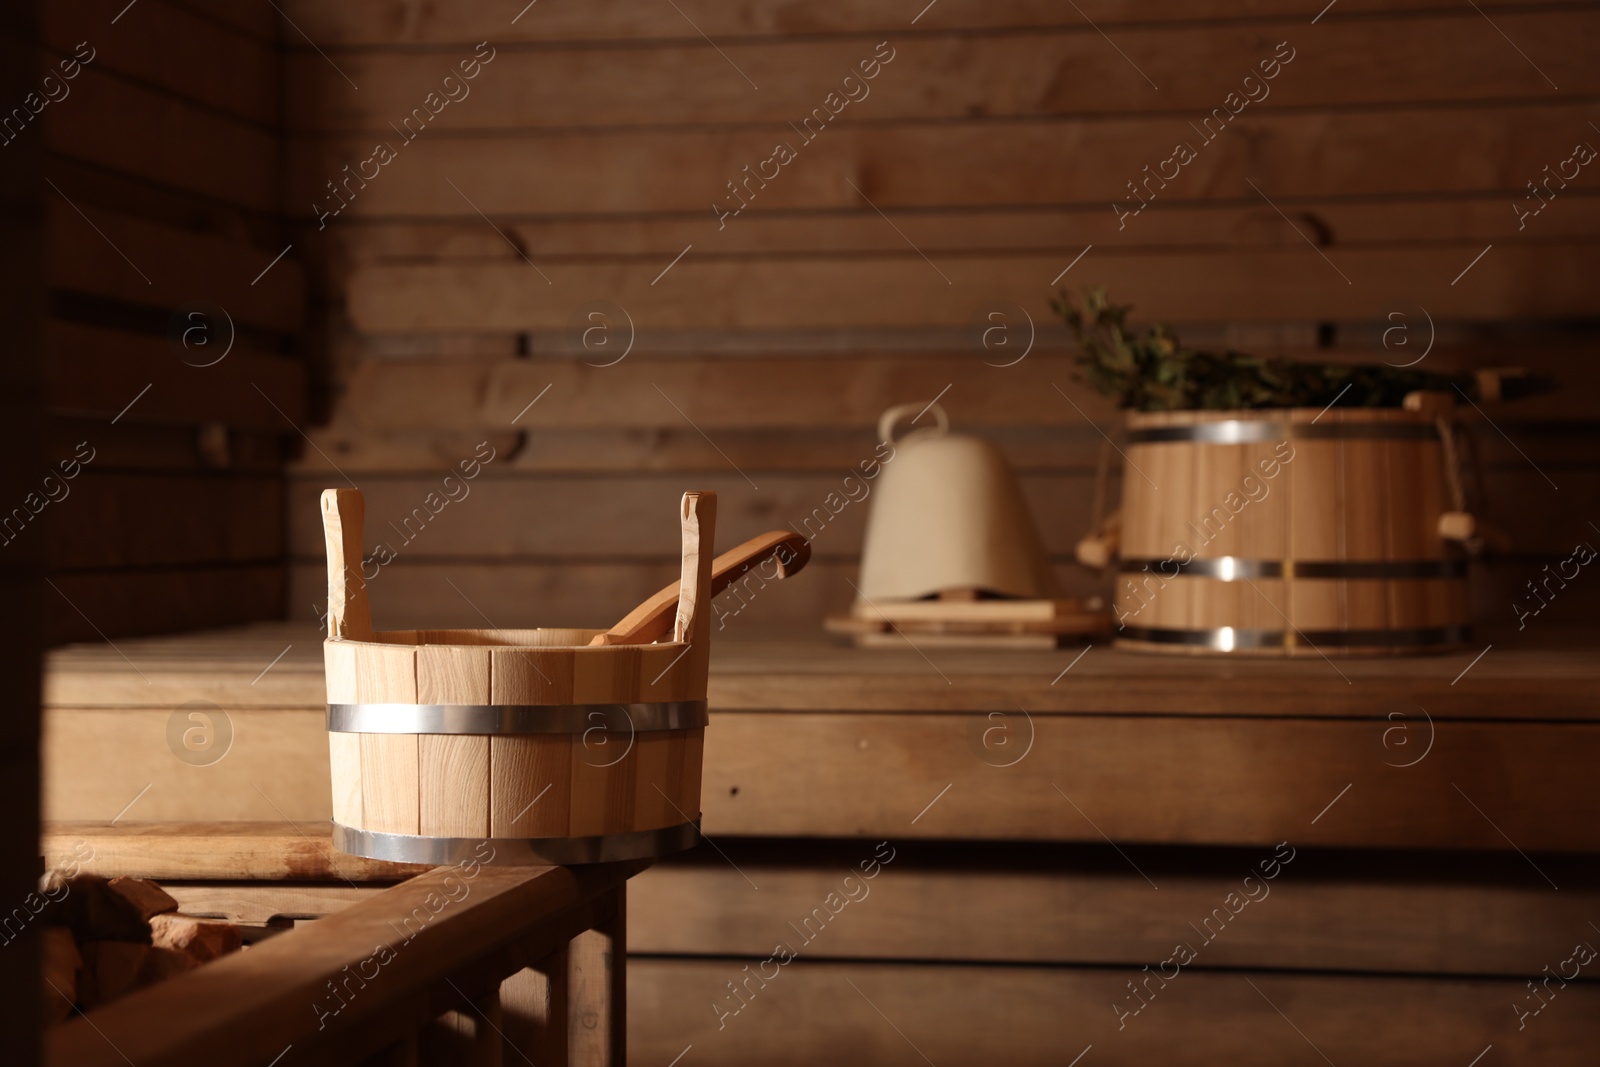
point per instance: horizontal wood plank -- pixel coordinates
(99, 371)
(461, 21)
(127, 259)
(912, 1015)
(270, 903)
(596, 593)
(1443, 56)
(1174, 780)
(720, 394)
(713, 394)
(241, 15)
(274, 767)
(88, 605)
(617, 516)
(152, 447)
(1232, 225)
(166, 140)
(989, 162)
(681, 451)
(1187, 781)
(93, 187)
(509, 516)
(177, 49)
(163, 520)
(1040, 904)
(1515, 282)
(225, 666)
(219, 851)
(601, 451)
(586, 592)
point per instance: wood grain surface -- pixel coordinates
(1185, 751)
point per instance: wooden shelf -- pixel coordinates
(813, 740)
(1552, 676)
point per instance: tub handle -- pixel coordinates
(699, 515)
(349, 616)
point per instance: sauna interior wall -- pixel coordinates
(573, 196)
(543, 274)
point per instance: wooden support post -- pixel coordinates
(533, 1004)
(468, 1037)
(597, 991)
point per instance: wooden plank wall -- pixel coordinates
(557, 231)
(21, 386)
(166, 446)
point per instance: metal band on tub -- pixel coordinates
(516, 851)
(1236, 568)
(1245, 431)
(1228, 639)
(515, 718)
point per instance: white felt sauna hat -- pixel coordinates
(948, 514)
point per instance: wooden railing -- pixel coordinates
(470, 964)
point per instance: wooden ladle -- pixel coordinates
(653, 618)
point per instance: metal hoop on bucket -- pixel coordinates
(515, 718)
(516, 851)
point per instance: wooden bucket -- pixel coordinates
(1290, 532)
(551, 750)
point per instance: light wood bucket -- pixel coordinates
(1290, 532)
(551, 750)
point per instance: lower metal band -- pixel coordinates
(1227, 639)
(516, 851)
(515, 718)
(1236, 568)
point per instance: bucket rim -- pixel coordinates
(409, 639)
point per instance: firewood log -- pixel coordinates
(149, 898)
(61, 961)
(199, 939)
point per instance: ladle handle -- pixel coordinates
(653, 618)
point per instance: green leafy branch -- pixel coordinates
(1153, 371)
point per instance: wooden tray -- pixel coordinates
(970, 623)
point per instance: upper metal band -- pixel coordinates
(514, 718)
(1244, 431)
(1227, 639)
(1235, 568)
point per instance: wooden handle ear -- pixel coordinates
(699, 515)
(1100, 546)
(1457, 526)
(349, 616)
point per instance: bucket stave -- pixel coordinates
(1294, 532)
(549, 748)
